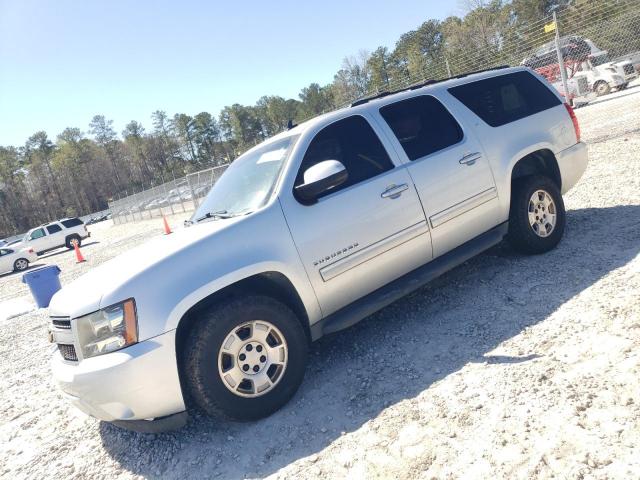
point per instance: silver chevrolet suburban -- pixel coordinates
(308, 233)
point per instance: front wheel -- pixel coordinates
(537, 215)
(602, 88)
(245, 359)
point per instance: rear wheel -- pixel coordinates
(537, 215)
(73, 241)
(246, 358)
(21, 264)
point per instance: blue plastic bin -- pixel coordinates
(43, 283)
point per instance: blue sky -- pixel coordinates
(63, 61)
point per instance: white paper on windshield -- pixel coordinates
(272, 156)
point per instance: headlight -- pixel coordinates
(108, 330)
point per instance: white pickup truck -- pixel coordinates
(308, 233)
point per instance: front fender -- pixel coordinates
(207, 257)
(304, 291)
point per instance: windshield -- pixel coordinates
(248, 182)
(600, 59)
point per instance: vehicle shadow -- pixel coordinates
(30, 267)
(62, 250)
(395, 354)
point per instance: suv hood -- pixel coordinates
(85, 294)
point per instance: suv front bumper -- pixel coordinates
(137, 383)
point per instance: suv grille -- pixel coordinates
(61, 322)
(583, 86)
(628, 69)
(68, 352)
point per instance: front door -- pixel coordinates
(365, 232)
(449, 168)
(6, 258)
(38, 240)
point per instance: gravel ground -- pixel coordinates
(506, 367)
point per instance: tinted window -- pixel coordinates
(505, 98)
(37, 233)
(422, 125)
(352, 142)
(72, 222)
(54, 228)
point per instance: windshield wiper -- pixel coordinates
(221, 214)
(218, 214)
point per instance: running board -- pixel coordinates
(380, 298)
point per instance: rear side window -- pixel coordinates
(422, 125)
(505, 98)
(72, 222)
(352, 142)
(54, 228)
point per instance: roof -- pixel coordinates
(384, 98)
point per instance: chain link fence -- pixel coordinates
(177, 196)
(589, 40)
(590, 52)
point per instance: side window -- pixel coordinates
(72, 222)
(39, 233)
(53, 228)
(352, 142)
(505, 98)
(422, 125)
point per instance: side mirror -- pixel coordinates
(320, 178)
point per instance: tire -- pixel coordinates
(623, 86)
(206, 363)
(73, 239)
(20, 264)
(602, 88)
(530, 226)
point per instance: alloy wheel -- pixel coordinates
(252, 358)
(542, 213)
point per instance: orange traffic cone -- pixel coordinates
(167, 230)
(79, 257)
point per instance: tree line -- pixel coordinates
(82, 170)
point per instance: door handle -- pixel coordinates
(394, 191)
(470, 158)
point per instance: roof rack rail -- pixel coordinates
(364, 100)
(415, 86)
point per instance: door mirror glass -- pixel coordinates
(320, 178)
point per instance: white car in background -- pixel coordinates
(67, 232)
(16, 260)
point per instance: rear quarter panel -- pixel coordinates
(550, 129)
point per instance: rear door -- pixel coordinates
(55, 235)
(449, 168)
(364, 233)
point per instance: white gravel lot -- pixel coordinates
(506, 367)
